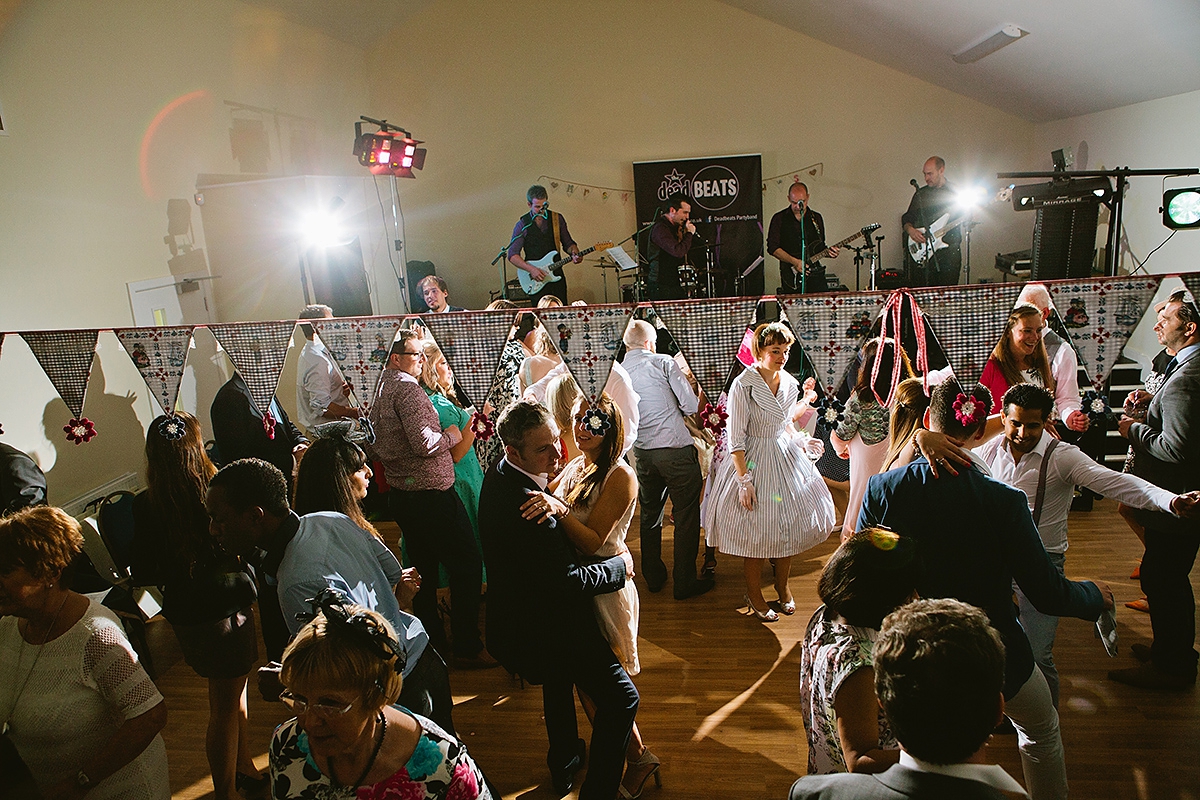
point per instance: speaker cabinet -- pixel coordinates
(1064, 241)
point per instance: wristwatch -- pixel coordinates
(82, 780)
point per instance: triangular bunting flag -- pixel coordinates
(160, 355)
(66, 357)
(360, 347)
(708, 333)
(831, 328)
(968, 321)
(257, 350)
(587, 338)
(1100, 314)
(1192, 281)
(472, 343)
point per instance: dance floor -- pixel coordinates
(720, 695)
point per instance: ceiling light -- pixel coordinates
(990, 43)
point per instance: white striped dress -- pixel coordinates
(794, 511)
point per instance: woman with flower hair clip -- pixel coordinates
(342, 675)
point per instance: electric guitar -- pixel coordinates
(550, 263)
(943, 225)
(812, 260)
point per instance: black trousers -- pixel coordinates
(436, 531)
(426, 690)
(599, 675)
(673, 472)
(1166, 570)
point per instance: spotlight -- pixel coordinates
(1181, 208)
(389, 151)
(970, 197)
(323, 227)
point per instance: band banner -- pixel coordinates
(725, 193)
(257, 350)
(66, 358)
(160, 355)
(708, 333)
(1099, 314)
(588, 338)
(967, 321)
(360, 347)
(472, 343)
(831, 328)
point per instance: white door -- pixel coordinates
(158, 302)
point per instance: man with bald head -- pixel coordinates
(797, 233)
(1064, 363)
(930, 202)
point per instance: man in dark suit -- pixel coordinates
(22, 482)
(939, 675)
(1166, 450)
(974, 537)
(541, 623)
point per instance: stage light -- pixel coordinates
(970, 197)
(390, 151)
(1181, 208)
(323, 227)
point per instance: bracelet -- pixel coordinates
(745, 480)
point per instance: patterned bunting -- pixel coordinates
(1099, 315)
(66, 357)
(472, 344)
(1192, 281)
(360, 347)
(160, 355)
(257, 350)
(831, 328)
(587, 338)
(968, 321)
(708, 333)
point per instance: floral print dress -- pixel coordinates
(833, 651)
(439, 769)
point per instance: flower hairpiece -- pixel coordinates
(1095, 405)
(968, 410)
(713, 417)
(595, 421)
(333, 604)
(830, 411)
(358, 431)
(483, 427)
(79, 430)
(172, 428)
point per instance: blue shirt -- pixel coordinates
(664, 396)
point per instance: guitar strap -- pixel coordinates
(554, 216)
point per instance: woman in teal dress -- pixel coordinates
(438, 382)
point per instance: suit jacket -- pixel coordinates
(1166, 446)
(896, 783)
(540, 611)
(22, 483)
(239, 433)
(975, 536)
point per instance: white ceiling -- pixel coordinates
(1080, 56)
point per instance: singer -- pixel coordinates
(537, 233)
(796, 234)
(670, 240)
(929, 203)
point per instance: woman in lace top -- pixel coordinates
(82, 713)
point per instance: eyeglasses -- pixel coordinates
(323, 710)
(410, 353)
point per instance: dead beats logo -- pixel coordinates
(714, 188)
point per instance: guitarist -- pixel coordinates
(929, 202)
(797, 232)
(537, 233)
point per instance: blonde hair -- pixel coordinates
(908, 413)
(543, 345)
(548, 301)
(429, 376)
(335, 656)
(768, 334)
(561, 395)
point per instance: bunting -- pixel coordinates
(257, 350)
(587, 338)
(831, 328)
(708, 333)
(1192, 281)
(967, 321)
(472, 343)
(160, 355)
(1099, 315)
(360, 346)
(66, 358)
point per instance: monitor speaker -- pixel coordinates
(1064, 241)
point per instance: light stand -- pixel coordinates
(967, 226)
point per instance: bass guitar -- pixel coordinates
(934, 233)
(551, 263)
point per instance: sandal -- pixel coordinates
(766, 616)
(709, 570)
(645, 759)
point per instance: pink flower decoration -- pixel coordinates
(968, 410)
(463, 785)
(79, 430)
(713, 417)
(483, 427)
(397, 787)
(269, 425)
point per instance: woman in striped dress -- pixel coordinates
(767, 500)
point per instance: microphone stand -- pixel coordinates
(502, 258)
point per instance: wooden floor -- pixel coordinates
(720, 702)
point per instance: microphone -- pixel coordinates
(913, 182)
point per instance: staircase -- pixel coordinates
(1126, 377)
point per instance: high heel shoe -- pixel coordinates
(788, 608)
(645, 759)
(766, 616)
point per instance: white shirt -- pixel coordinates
(1065, 369)
(991, 774)
(1069, 467)
(541, 479)
(318, 384)
(619, 388)
(664, 397)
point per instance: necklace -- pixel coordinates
(38, 655)
(371, 760)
